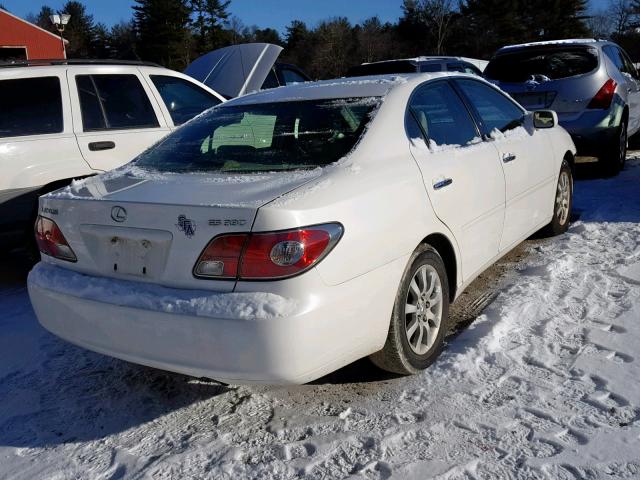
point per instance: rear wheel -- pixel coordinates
(614, 160)
(419, 318)
(563, 202)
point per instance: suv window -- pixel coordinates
(112, 102)
(431, 67)
(629, 67)
(271, 81)
(551, 62)
(462, 67)
(495, 110)
(615, 56)
(183, 99)
(30, 106)
(441, 115)
(291, 76)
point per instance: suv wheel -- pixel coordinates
(615, 159)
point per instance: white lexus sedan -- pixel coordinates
(284, 234)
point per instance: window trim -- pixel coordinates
(425, 136)
(105, 118)
(484, 131)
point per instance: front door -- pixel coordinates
(114, 117)
(462, 174)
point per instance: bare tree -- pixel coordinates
(600, 24)
(438, 14)
(621, 13)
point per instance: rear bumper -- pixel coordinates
(328, 328)
(593, 131)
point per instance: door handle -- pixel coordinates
(508, 157)
(98, 146)
(442, 183)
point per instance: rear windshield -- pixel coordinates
(535, 62)
(382, 68)
(264, 137)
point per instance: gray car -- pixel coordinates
(592, 85)
(418, 64)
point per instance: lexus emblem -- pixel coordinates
(118, 214)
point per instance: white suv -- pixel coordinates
(74, 119)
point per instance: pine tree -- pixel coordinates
(208, 24)
(43, 20)
(162, 28)
(80, 31)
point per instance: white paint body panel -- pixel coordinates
(37, 160)
(383, 196)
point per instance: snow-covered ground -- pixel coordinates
(544, 383)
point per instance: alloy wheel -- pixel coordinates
(563, 197)
(423, 309)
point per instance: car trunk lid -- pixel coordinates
(152, 228)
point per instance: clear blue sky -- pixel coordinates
(263, 13)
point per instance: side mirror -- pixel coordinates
(545, 119)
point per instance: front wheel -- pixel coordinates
(419, 318)
(563, 202)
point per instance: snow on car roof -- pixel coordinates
(576, 41)
(370, 86)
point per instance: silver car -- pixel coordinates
(592, 85)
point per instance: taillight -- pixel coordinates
(51, 241)
(267, 256)
(604, 97)
(220, 259)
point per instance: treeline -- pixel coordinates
(174, 32)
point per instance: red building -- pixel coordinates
(21, 40)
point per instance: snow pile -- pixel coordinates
(148, 296)
(543, 384)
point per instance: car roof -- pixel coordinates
(417, 60)
(349, 87)
(568, 41)
(63, 67)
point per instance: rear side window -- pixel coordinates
(114, 102)
(552, 63)
(442, 116)
(30, 106)
(495, 110)
(619, 59)
(183, 99)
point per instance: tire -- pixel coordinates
(613, 162)
(407, 352)
(562, 203)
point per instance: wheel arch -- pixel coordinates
(571, 160)
(445, 249)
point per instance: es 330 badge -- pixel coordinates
(186, 225)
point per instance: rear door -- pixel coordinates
(115, 116)
(462, 174)
(526, 156)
